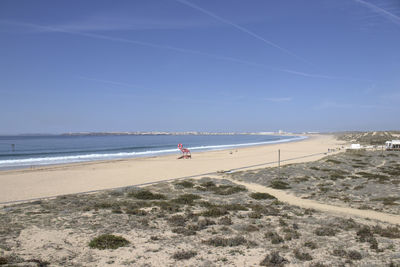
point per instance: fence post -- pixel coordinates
(279, 163)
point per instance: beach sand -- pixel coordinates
(75, 178)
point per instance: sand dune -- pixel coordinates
(312, 204)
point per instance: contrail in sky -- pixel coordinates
(177, 49)
(240, 28)
(381, 11)
(109, 82)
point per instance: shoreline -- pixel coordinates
(81, 177)
(96, 157)
(171, 154)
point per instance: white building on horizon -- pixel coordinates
(392, 145)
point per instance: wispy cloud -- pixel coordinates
(278, 99)
(311, 74)
(342, 105)
(54, 29)
(383, 12)
(242, 29)
(110, 23)
(109, 82)
(123, 88)
(332, 105)
(391, 96)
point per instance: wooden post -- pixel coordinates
(279, 163)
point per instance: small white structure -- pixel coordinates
(393, 145)
(353, 147)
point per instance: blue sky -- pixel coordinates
(176, 65)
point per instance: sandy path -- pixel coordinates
(311, 204)
(75, 178)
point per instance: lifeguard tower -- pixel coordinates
(185, 152)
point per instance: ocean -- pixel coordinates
(29, 151)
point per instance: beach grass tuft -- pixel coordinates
(354, 255)
(108, 241)
(222, 189)
(325, 231)
(274, 259)
(146, 195)
(186, 199)
(303, 256)
(3, 261)
(226, 242)
(278, 184)
(185, 184)
(214, 212)
(260, 196)
(274, 237)
(184, 255)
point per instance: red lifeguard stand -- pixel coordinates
(185, 152)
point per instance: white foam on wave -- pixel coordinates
(120, 155)
(77, 158)
(250, 144)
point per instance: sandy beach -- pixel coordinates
(74, 178)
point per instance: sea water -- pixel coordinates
(28, 151)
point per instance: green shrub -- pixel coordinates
(208, 184)
(339, 252)
(250, 228)
(325, 231)
(274, 237)
(214, 212)
(223, 189)
(255, 215)
(225, 221)
(186, 199)
(226, 242)
(277, 184)
(291, 234)
(233, 206)
(145, 194)
(260, 196)
(168, 206)
(203, 223)
(303, 256)
(370, 176)
(3, 261)
(184, 255)
(274, 259)
(387, 200)
(108, 242)
(354, 255)
(186, 184)
(200, 188)
(228, 189)
(177, 220)
(389, 232)
(138, 212)
(184, 231)
(334, 161)
(310, 244)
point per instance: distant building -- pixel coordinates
(355, 147)
(393, 145)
